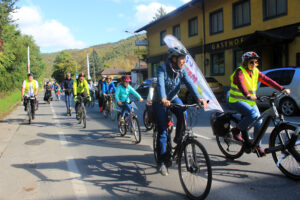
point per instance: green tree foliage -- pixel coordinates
(13, 60)
(95, 63)
(64, 63)
(159, 13)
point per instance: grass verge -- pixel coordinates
(8, 102)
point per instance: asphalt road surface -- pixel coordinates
(55, 158)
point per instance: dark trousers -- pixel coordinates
(77, 104)
(32, 104)
(160, 114)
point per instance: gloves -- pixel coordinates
(75, 98)
(90, 98)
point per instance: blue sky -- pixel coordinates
(64, 24)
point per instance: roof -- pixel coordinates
(111, 71)
(183, 7)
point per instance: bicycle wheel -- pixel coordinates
(29, 113)
(84, 117)
(136, 130)
(288, 161)
(121, 126)
(230, 147)
(112, 109)
(194, 170)
(147, 122)
(155, 133)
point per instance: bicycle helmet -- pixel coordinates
(30, 74)
(154, 80)
(109, 77)
(177, 51)
(249, 55)
(220, 123)
(68, 74)
(126, 78)
(81, 75)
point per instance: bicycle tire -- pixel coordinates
(137, 130)
(29, 113)
(183, 156)
(226, 152)
(121, 126)
(155, 132)
(84, 117)
(112, 111)
(293, 153)
(147, 124)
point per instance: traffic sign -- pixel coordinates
(141, 43)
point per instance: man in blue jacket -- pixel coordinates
(68, 88)
(108, 87)
(170, 76)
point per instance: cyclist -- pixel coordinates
(108, 87)
(91, 88)
(30, 88)
(80, 88)
(68, 87)
(48, 90)
(243, 94)
(170, 76)
(122, 95)
(100, 85)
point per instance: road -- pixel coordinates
(55, 158)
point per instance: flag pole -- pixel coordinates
(88, 66)
(28, 58)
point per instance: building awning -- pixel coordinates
(270, 37)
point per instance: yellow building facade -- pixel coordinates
(217, 32)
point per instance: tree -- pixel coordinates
(95, 63)
(159, 13)
(64, 63)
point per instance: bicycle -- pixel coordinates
(130, 123)
(30, 112)
(110, 107)
(68, 93)
(82, 110)
(92, 102)
(190, 161)
(283, 139)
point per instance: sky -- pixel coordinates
(75, 24)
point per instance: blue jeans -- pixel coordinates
(68, 100)
(125, 108)
(250, 113)
(161, 116)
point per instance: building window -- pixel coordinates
(237, 58)
(298, 59)
(217, 64)
(241, 14)
(162, 36)
(193, 27)
(176, 31)
(216, 22)
(274, 8)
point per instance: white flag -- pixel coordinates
(195, 75)
(88, 66)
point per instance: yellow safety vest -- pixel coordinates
(250, 83)
(27, 86)
(80, 87)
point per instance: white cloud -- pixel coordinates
(111, 29)
(145, 13)
(121, 15)
(186, 1)
(49, 35)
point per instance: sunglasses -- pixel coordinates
(253, 62)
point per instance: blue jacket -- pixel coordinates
(169, 82)
(107, 89)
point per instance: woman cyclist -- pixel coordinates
(243, 94)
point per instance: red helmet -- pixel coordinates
(249, 55)
(126, 79)
(81, 75)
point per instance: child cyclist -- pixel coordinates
(122, 96)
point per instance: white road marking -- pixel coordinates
(204, 137)
(79, 188)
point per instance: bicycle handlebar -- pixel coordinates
(273, 97)
(186, 106)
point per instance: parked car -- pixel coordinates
(215, 86)
(143, 90)
(287, 77)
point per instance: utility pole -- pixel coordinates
(94, 65)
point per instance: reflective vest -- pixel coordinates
(27, 86)
(250, 83)
(79, 87)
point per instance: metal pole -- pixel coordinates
(94, 66)
(28, 58)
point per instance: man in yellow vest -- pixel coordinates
(243, 93)
(81, 88)
(30, 89)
